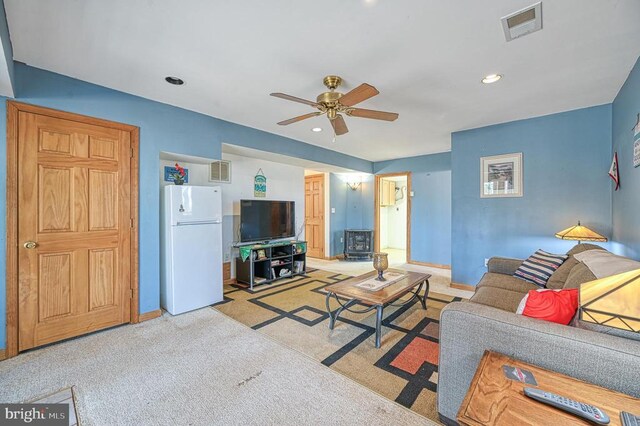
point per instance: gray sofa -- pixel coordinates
(597, 354)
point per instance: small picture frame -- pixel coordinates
(262, 254)
(501, 176)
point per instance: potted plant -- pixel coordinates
(179, 175)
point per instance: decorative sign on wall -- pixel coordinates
(170, 174)
(501, 176)
(636, 143)
(260, 184)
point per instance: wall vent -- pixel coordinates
(522, 22)
(220, 171)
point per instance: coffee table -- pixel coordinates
(347, 294)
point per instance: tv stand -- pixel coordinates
(266, 263)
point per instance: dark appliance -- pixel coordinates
(358, 244)
(264, 220)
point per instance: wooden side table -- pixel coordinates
(493, 399)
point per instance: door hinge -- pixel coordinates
(132, 223)
(132, 153)
(130, 293)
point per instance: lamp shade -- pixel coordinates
(612, 301)
(580, 233)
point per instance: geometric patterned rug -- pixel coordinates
(403, 369)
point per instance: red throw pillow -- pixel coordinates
(555, 306)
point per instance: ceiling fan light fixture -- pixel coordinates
(174, 80)
(491, 78)
(337, 105)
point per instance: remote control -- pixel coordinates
(629, 419)
(586, 411)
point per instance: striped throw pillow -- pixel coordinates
(539, 266)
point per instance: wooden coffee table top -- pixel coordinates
(385, 295)
(493, 399)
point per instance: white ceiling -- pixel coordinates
(425, 56)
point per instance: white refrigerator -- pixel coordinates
(191, 248)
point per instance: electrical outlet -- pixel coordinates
(486, 262)
(341, 239)
(333, 209)
(226, 257)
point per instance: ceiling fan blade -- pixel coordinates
(294, 99)
(299, 118)
(373, 114)
(339, 126)
(359, 94)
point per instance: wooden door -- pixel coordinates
(314, 214)
(74, 228)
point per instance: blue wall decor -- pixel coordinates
(169, 173)
(260, 184)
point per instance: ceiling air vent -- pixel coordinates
(523, 22)
(220, 171)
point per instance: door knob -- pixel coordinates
(30, 245)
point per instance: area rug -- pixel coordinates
(404, 369)
(198, 368)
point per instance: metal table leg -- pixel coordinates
(423, 298)
(379, 309)
(334, 317)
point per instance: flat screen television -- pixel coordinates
(262, 220)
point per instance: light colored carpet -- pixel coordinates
(200, 368)
(293, 312)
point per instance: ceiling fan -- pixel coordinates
(334, 104)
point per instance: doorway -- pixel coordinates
(314, 215)
(393, 216)
(72, 258)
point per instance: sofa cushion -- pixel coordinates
(507, 282)
(559, 277)
(539, 266)
(557, 306)
(507, 300)
(579, 248)
(578, 275)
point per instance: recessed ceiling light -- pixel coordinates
(491, 78)
(174, 80)
(316, 129)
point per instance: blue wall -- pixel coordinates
(354, 209)
(338, 220)
(431, 217)
(626, 201)
(423, 163)
(566, 160)
(360, 205)
(430, 205)
(162, 128)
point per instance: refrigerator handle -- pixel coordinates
(199, 222)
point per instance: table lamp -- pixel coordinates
(580, 233)
(612, 301)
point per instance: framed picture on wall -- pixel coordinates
(501, 176)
